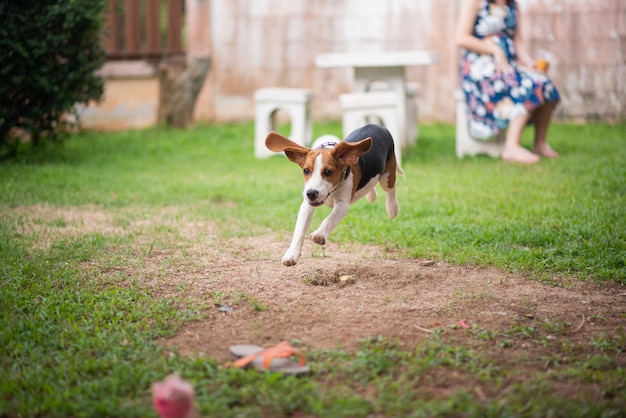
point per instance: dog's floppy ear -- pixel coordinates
(350, 152)
(278, 143)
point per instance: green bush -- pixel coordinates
(49, 51)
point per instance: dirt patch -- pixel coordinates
(337, 299)
(337, 295)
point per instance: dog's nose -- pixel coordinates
(312, 194)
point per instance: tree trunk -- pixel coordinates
(179, 86)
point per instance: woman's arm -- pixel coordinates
(523, 57)
(465, 38)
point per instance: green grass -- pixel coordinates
(85, 346)
(558, 217)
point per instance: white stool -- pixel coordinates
(410, 119)
(383, 105)
(294, 101)
(465, 144)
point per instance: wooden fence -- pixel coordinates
(134, 29)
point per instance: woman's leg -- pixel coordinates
(513, 151)
(541, 119)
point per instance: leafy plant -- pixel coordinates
(49, 51)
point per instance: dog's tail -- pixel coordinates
(400, 171)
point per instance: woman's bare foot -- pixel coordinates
(545, 150)
(519, 155)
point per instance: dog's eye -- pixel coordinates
(306, 171)
(327, 173)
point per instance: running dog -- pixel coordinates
(339, 174)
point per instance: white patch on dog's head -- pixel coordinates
(325, 141)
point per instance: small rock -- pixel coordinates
(346, 279)
(225, 308)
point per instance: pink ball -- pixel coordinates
(172, 398)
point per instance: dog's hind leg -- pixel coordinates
(388, 183)
(371, 196)
(391, 204)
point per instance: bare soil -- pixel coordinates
(338, 295)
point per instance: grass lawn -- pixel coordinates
(74, 345)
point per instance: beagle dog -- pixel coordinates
(338, 174)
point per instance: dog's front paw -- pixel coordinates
(318, 238)
(290, 258)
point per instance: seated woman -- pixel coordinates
(502, 87)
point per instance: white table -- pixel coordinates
(376, 67)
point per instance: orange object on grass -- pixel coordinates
(281, 350)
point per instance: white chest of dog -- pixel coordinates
(338, 175)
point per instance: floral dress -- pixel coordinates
(494, 98)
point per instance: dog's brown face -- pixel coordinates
(322, 173)
(323, 169)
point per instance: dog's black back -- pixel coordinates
(373, 162)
